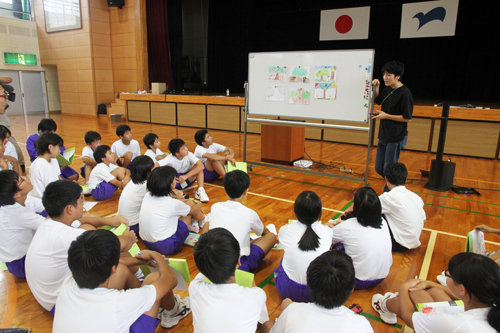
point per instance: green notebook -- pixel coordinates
(243, 278)
(119, 231)
(239, 166)
(67, 156)
(181, 266)
(3, 266)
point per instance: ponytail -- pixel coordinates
(309, 240)
(494, 316)
(307, 208)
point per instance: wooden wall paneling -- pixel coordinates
(470, 138)
(347, 136)
(163, 113)
(191, 115)
(419, 134)
(139, 111)
(141, 43)
(311, 132)
(252, 127)
(223, 117)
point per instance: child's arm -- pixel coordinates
(486, 229)
(198, 167)
(97, 222)
(127, 240)
(406, 305)
(167, 280)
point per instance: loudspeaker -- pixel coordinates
(441, 177)
(116, 3)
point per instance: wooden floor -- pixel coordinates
(272, 193)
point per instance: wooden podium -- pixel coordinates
(282, 144)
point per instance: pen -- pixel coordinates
(151, 260)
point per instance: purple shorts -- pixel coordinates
(144, 324)
(179, 187)
(82, 171)
(209, 175)
(104, 190)
(68, 172)
(171, 244)
(43, 213)
(290, 289)
(251, 261)
(135, 228)
(16, 267)
(53, 311)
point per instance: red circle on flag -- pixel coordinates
(343, 24)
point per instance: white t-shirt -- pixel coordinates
(474, 320)
(404, 211)
(100, 309)
(87, 152)
(225, 308)
(120, 149)
(239, 220)
(159, 217)
(130, 202)
(10, 150)
(295, 261)
(309, 317)
(152, 154)
(369, 248)
(101, 172)
(181, 166)
(17, 226)
(42, 173)
(47, 260)
(213, 149)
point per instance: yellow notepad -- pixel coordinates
(67, 156)
(239, 166)
(243, 278)
(119, 231)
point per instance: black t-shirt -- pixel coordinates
(395, 102)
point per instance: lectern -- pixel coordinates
(282, 144)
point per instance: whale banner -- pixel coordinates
(429, 19)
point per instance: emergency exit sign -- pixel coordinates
(19, 58)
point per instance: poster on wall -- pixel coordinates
(62, 15)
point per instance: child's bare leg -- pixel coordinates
(133, 269)
(266, 242)
(119, 173)
(186, 219)
(438, 295)
(198, 214)
(123, 279)
(167, 302)
(421, 296)
(177, 194)
(218, 166)
(393, 305)
(86, 172)
(127, 158)
(73, 177)
(200, 178)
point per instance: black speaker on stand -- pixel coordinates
(442, 172)
(116, 3)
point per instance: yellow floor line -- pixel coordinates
(428, 255)
(459, 236)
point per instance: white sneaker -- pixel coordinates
(183, 309)
(194, 227)
(385, 315)
(207, 219)
(442, 279)
(201, 195)
(85, 189)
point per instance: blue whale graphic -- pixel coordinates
(437, 13)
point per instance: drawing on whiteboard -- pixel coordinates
(299, 96)
(300, 74)
(325, 74)
(275, 94)
(277, 73)
(325, 90)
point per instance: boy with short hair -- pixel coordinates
(93, 299)
(241, 220)
(152, 143)
(126, 148)
(45, 169)
(46, 259)
(18, 220)
(330, 278)
(223, 305)
(9, 154)
(106, 177)
(403, 209)
(93, 140)
(48, 125)
(208, 153)
(188, 167)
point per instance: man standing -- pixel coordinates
(397, 110)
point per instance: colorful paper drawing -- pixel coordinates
(300, 74)
(325, 90)
(277, 73)
(275, 94)
(325, 74)
(299, 96)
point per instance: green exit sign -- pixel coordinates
(19, 58)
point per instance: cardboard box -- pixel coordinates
(158, 88)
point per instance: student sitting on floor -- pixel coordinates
(208, 153)
(188, 167)
(153, 145)
(330, 278)
(18, 220)
(94, 298)
(160, 227)
(46, 259)
(126, 148)
(48, 125)
(9, 155)
(45, 169)
(365, 238)
(303, 241)
(132, 195)
(106, 177)
(221, 305)
(472, 278)
(93, 140)
(241, 220)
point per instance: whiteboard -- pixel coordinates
(329, 85)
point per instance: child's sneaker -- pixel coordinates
(201, 195)
(442, 278)
(183, 309)
(194, 227)
(207, 219)
(378, 303)
(85, 189)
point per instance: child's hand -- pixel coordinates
(410, 284)
(131, 234)
(182, 179)
(349, 210)
(333, 223)
(484, 228)
(149, 256)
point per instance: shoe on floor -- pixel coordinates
(442, 279)
(201, 195)
(85, 189)
(183, 309)
(385, 315)
(194, 227)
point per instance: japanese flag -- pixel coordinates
(346, 23)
